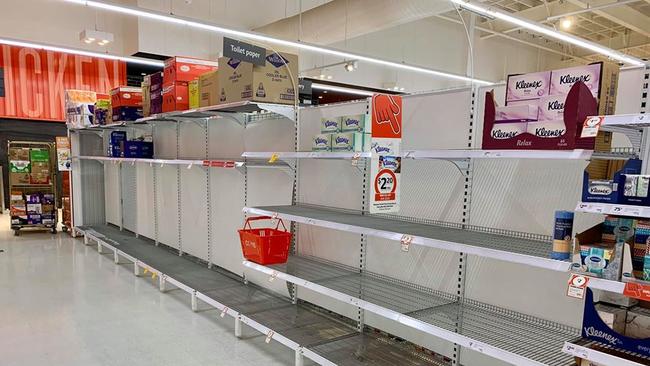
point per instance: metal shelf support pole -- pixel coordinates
(238, 331)
(299, 360)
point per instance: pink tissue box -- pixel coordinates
(562, 80)
(528, 86)
(517, 113)
(551, 108)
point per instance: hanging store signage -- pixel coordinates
(63, 153)
(35, 80)
(385, 157)
(243, 51)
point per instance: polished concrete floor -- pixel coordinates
(61, 303)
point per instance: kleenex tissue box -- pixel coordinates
(322, 142)
(330, 125)
(355, 123)
(516, 113)
(348, 141)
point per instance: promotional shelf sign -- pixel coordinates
(385, 160)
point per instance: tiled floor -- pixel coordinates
(61, 303)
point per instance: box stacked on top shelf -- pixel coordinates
(79, 108)
(178, 74)
(126, 103)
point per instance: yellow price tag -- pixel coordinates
(274, 158)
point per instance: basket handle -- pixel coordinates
(247, 223)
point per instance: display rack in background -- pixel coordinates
(32, 185)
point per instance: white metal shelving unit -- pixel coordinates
(461, 253)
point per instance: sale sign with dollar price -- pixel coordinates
(385, 160)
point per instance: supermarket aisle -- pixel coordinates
(61, 303)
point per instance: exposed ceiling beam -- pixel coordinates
(536, 14)
(623, 15)
(621, 43)
(512, 38)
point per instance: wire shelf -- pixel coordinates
(518, 247)
(603, 353)
(387, 292)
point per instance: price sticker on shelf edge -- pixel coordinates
(591, 126)
(637, 291)
(577, 286)
(385, 160)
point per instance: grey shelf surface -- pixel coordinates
(302, 323)
(533, 338)
(504, 245)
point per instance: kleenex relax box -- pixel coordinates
(552, 108)
(347, 141)
(322, 142)
(528, 86)
(330, 125)
(355, 123)
(516, 113)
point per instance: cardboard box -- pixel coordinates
(517, 112)
(34, 219)
(138, 149)
(322, 142)
(40, 155)
(126, 96)
(349, 141)
(18, 209)
(18, 178)
(528, 86)
(638, 323)
(40, 173)
(355, 123)
(146, 95)
(36, 208)
(125, 113)
(209, 93)
(155, 91)
(330, 124)
(102, 111)
(193, 91)
(116, 144)
(19, 153)
(175, 97)
(272, 83)
(186, 69)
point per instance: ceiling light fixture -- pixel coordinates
(566, 23)
(145, 13)
(89, 36)
(536, 27)
(351, 66)
(341, 89)
(135, 60)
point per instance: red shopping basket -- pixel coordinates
(265, 245)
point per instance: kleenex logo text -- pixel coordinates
(329, 124)
(555, 105)
(523, 84)
(609, 338)
(342, 140)
(352, 122)
(570, 79)
(320, 141)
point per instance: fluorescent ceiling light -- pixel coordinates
(547, 31)
(326, 88)
(145, 13)
(135, 60)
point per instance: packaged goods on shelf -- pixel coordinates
(138, 149)
(18, 178)
(275, 82)
(48, 219)
(209, 93)
(596, 256)
(40, 173)
(19, 153)
(330, 124)
(155, 93)
(103, 114)
(79, 108)
(175, 97)
(146, 95)
(562, 234)
(47, 198)
(34, 208)
(20, 166)
(322, 142)
(42, 155)
(350, 141)
(126, 103)
(523, 112)
(580, 92)
(613, 316)
(116, 144)
(528, 86)
(186, 69)
(634, 189)
(193, 91)
(605, 188)
(355, 123)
